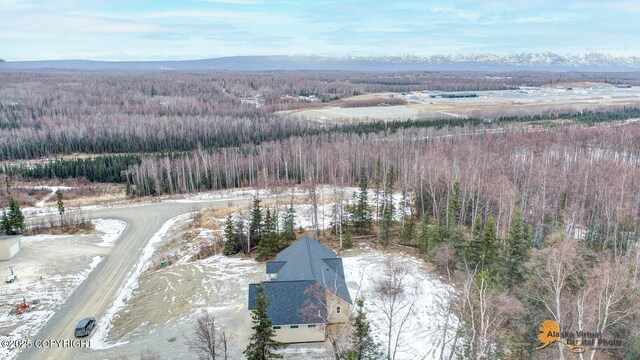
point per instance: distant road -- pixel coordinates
(94, 296)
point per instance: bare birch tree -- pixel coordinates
(393, 296)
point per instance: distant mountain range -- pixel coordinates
(482, 62)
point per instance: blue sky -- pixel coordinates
(190, 29)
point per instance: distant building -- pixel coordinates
(623, 86)
(454, 95)
(307, 290)
(10, 245)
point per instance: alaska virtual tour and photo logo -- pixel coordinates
(576, 341)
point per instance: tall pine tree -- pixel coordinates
(363, 347)
(60, 204)
(377, 183)
(361, 210)
(288, 223)
(231, 242)
(473, 254)
(255, 225)
(5, 225)
(489, 244)
(408, 231)
(269, 243)
(262, 344)
(15, 217)
(455, 205)
(517, 252)
(386, 223)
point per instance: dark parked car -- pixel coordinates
(85, 326)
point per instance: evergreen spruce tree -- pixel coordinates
(262, 345)
(347, 242)
(241, 237)
(424, 234)
(361, 210)
(408, 231)
(230, 244)
(255, 226)
(455, 206)
(60, 203)
(386, 223)
(517, 252)
(15, 217)
(363, 347)
(288, 224)
(473, 253)
(5, 225)
(456, 237)
(377, 182)
(268, 245)
(489, 244)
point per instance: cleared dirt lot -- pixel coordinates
(490, 104)
(49, 268)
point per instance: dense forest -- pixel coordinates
(44, 114)
(531, 218)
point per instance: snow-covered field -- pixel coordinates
(422, 334)
(221, 195)
(111, 230)
(49, 293)
(371, 112)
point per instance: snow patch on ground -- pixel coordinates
(51, 293)
(43, 237)
(99, 339)
(111, 230)
(304, 216)
(422, 335)
(229, 195)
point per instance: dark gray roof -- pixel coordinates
(287, 301)
(274, 266)
(307, 259)
(303, 265)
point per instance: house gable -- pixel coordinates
(307, 259)
(307, 287)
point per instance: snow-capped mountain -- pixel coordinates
(478, 62)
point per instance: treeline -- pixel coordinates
(350, 103)
(583, 117)
(123, 135)
(43, 115)
(105, 168)
(190, 133)
(264, 231)
(584, 166)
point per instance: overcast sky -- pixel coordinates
(190, 29)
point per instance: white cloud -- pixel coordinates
(239, 17)
(77, 23)
(235, 2)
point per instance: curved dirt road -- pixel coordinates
(96, 293)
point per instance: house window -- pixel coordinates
(338, 310)
(294, 326)
(276, 328)
(312, 325)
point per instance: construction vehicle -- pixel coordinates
(11, 277)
